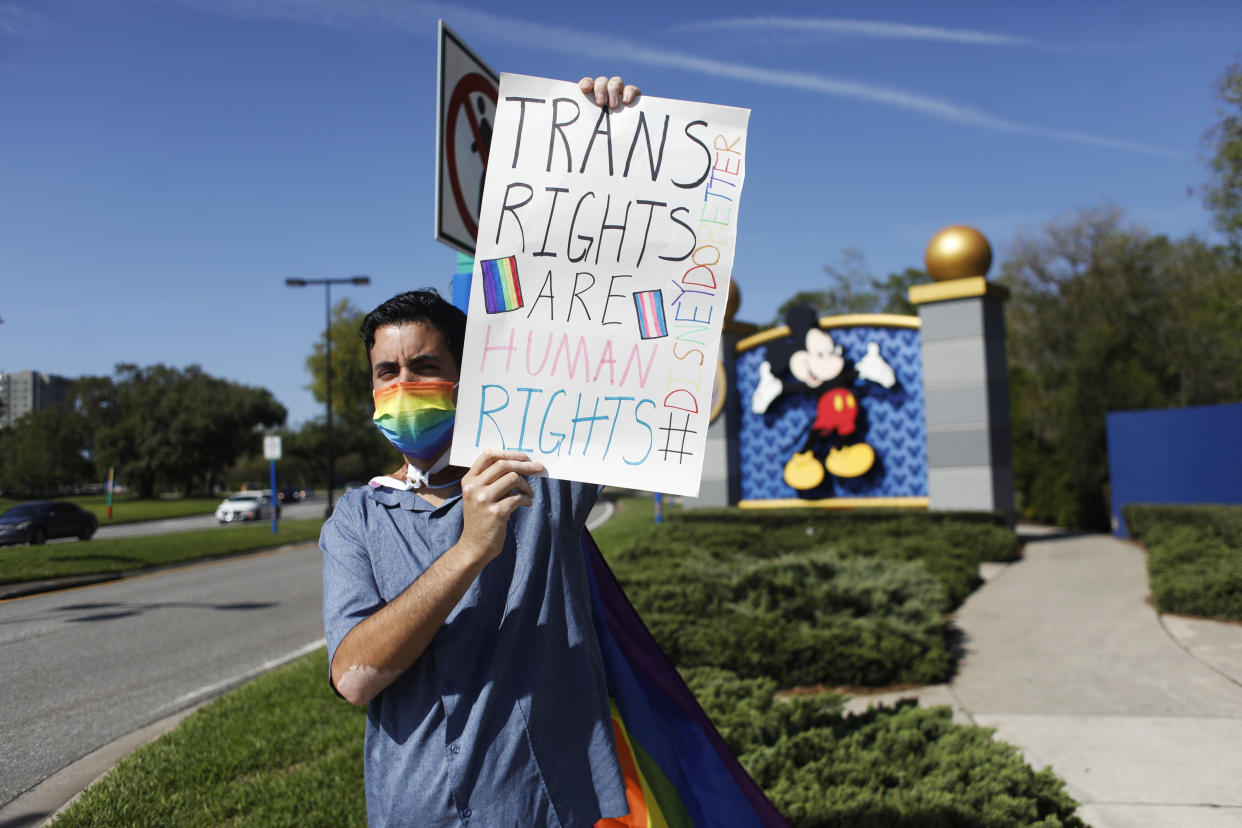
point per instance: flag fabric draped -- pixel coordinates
(678, 770)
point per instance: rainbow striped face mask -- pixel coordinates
(416, 417)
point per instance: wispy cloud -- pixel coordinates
(16, 20)
(416, 15)
(840, 27)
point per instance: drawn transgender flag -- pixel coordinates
(501, 290)
(650, 307)
(678, 771)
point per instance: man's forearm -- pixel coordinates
(382, 647)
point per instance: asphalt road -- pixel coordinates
(85, 667)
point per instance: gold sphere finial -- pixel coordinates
(733, 302)
(957, 252)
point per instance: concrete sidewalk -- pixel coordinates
(1065, 656)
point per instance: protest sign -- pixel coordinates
(601, 273)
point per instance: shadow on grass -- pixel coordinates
(116, 611)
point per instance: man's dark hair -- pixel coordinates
(424, 306)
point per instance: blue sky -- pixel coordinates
(166, 164)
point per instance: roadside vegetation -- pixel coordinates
(280, 752)
(1194, 559)
(805, 597)
(59, 560)
(132, 509)
(284, 751)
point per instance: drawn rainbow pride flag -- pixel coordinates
(678, 770)
(501, 290)
(650, 307)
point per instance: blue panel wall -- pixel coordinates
(1184, 455)
(895, 423)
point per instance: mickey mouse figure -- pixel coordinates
(813, 360)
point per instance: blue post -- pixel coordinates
(461, 282)
(659, 507)
(275, 497)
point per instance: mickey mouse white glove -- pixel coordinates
(768, 389)
(873, 367)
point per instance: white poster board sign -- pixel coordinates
(601, 273)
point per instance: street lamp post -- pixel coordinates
(327, 337)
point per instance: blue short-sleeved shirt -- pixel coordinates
(504, 719)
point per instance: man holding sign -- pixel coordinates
(456, 600)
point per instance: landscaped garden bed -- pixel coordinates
(747, 604)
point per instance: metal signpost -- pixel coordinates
(271, 452)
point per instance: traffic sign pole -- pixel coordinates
(272, 451)
(275, 497)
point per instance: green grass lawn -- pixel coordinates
(57, 560)
(634, 512)
(127, 509)
(280, 752)
(285, 751)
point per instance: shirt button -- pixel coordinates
(465, 814)
(454, 749)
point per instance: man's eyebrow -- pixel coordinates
(386, 365)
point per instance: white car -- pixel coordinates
(255, 505)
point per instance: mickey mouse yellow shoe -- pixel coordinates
(848, 461)
(803, 471)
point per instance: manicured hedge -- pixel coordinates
(806, 597)
(892, 767)
(1195, 557)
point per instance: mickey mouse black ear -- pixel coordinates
(800, 319)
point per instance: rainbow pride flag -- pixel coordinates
(650, 307)
(501, 289)
(678, 770)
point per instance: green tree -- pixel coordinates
(852, 288)
(360, 450)
(176, 427)
(43, 453)
(1104, 317)
(1224, 193)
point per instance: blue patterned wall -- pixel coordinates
(895, 426)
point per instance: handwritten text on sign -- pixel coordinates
(602, 269)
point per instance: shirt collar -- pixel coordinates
(389, 491)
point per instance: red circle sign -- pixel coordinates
(459, 102)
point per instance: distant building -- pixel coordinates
(26, 391)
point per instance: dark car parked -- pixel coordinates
(42, 520)
(292, 494)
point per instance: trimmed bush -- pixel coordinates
(806, 597)
(1194, 563)
(892, 767)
